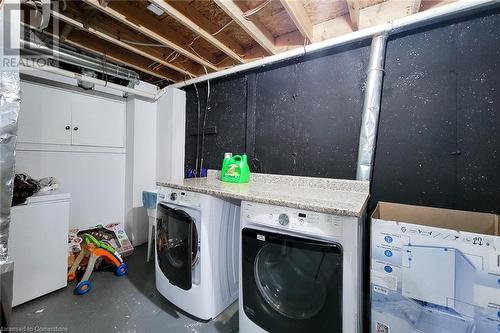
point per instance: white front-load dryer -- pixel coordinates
(196, 251)
(300, 271)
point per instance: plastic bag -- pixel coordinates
(24, 187)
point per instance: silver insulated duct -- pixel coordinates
(371, 108)
(9, 110)
(33, 49)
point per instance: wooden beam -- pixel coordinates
(252, 53)
(191, 25)
(255, 29)
(145, 26)
(298, 14)
(354, 7)
(325, 30)
(111, 39)
(84, 41)
(386, 11)
(332, 28)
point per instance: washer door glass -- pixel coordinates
(176, 245)
(291, 284)
(288, 280)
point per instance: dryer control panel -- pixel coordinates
(179, 197)
(292, 219)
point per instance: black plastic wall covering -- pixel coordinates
(439, 131)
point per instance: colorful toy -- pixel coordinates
(94, 249)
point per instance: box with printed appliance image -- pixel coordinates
(434, 270)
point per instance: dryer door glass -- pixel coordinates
(291, 284)
(175, 245)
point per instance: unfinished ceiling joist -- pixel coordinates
(84, 41)
(332, 28)
(178, 39)
(298, 14)
(254, 28)
(386, 11)
(191, 25)
(81, 41)
(354, 7)
(437, 14)
(148, 30)
(117, 42)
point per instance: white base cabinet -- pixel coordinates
(38, 244)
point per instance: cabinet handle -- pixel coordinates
(67, 128)
(76, 128)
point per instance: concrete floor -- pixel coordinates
(118, 304)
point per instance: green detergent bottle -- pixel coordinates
(235, 169)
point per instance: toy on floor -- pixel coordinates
(93, 249)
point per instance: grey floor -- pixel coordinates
(118, 304)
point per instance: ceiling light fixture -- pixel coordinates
(155, 9)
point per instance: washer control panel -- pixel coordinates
(180, 197)
(292, 219)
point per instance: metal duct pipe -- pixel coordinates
(77, 59)
(30, 64)
(371, 108)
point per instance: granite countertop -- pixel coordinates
(324, 195)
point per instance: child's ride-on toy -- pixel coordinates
(94, 249)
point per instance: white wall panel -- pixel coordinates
(96, 182)
(171, 127)
(141, 165)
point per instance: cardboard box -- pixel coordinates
(434, 270)
(113, 234)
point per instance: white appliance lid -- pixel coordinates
(47, 196)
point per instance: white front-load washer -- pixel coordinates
(196, 251)
(300, 271)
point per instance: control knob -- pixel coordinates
(283, 219)
(173, 196)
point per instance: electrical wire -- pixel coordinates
(131, 42)
(246, 15)
(204, 122)
(221, 29)
(168, 57)
(198, 129)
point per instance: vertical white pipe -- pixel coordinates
(371, 108)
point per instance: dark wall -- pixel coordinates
(439, 131)
(438, 141)
(227, 112)
(296, 118)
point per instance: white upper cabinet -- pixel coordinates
(53, 116)
(97, 122)
(45, 115)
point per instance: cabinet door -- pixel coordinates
(97, 122)
(44, 116)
